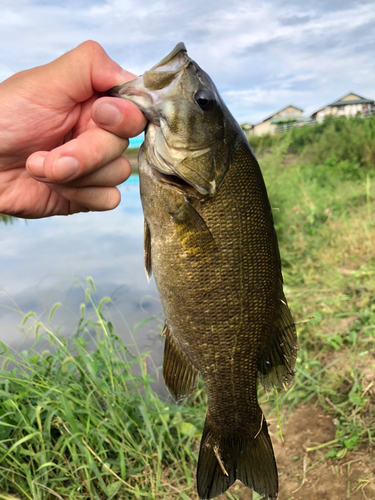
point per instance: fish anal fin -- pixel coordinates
(180, 375)
(276, 366)
(192, 231)
(147, 250)
(225, 458)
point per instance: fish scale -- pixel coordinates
(211, 245)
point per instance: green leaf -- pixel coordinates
(146, 419)
(188, 429)
(69, 414)
(355, 399)
(331, 453)
(113, 488)
(341, 453)
(351, 442)
(6, 427)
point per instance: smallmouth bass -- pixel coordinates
(210, 242)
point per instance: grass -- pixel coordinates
(132, 155)
(349, 140)
(81, 420)
(6, 219)
(326, 226)
(132, 152)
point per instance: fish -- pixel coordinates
(210, 242)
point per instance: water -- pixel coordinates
(135, 142)
(48, 260)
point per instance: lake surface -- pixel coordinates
(48, 260)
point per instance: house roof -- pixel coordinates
(353, 101)
(342, 102)
(282, 109)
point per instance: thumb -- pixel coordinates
(119, 116)
(86, 69)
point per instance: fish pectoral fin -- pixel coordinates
(276, 366)
(192, 231)
(180, 375)
(147, 250)
(223, 458)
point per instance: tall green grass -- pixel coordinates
(324, 203)
(80, 420)
(348, 140)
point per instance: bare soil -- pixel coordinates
(309, 475)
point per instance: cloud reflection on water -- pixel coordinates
(47, 261)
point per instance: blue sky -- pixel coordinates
(261, 55)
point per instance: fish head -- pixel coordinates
(190, 130)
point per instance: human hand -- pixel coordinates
(61, 144)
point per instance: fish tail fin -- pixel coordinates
(222, 460)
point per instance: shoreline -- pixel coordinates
(132, 155)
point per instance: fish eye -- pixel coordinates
(204, 100)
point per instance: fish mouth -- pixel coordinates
(174, 160)
(151, 88)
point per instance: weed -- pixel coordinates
(77, 422)
(326, 231)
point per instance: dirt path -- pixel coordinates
(309, 475)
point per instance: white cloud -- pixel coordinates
(261, 55)
(277, 52)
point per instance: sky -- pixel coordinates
(262, 56)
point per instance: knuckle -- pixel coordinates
(98, 154)
(91, 46)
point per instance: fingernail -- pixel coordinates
(107, 114)
(35, 164)
(127, 75)
(64, 167)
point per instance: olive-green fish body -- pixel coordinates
(211, 245)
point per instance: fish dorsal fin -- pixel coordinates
(192, 231)
(147, 250)
(276, 366)
(180, 375)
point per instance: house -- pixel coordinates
(277, 122)
(349, 105)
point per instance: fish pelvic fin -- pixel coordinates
(147, 251)
(223, 459)
(276, 366)
(180, 375)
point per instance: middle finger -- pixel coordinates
(114, 173)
